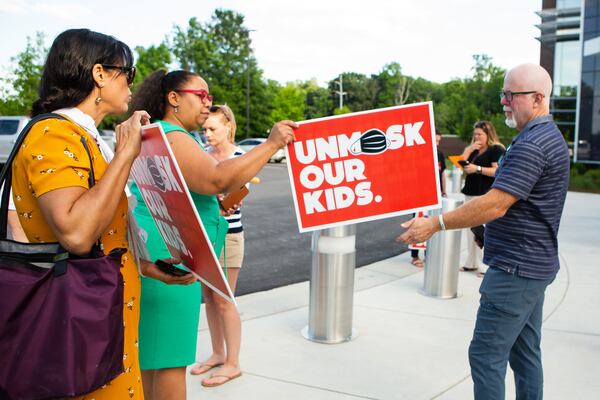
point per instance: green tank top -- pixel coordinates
(207, 206)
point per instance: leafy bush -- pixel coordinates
(584, 178)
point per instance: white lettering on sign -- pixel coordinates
(410, 137)
(155, 203)
(312, 176)
(172, 237)
(338, 197)
(166, 172)
(163, 177)
(339, 173)
(322, 149)
(140, 173)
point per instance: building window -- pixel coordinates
(568, 3)
(567, 64)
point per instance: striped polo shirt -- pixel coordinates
(535, 169)
(235, 219)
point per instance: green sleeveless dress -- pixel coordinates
(169, 314)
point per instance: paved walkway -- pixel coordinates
(414, 347)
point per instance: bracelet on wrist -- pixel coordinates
(441, 222)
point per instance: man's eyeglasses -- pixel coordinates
(128, 71)
(203, 94)
(508, 95)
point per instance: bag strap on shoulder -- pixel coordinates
(6, 174)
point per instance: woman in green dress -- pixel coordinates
(180, 101)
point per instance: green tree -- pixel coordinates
(20, 87)
(361, 91)
(220, 51)
(393, 87)
(151, 58)
(424, 90)
(462, 102)
(343, 110)
(318, 100)
(289, 103)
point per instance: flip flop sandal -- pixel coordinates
(227, 379)
(465, 269)
(418, 263)
(196, 369)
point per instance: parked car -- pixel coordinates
(10, 127)
(248, 144)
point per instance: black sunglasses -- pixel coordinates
(128, 71)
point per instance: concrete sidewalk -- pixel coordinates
(414, 347)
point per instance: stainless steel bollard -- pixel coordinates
(332, 285)
(456, 179)
(443, 257)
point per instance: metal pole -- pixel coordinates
(248, 95)
(248, 85)
(332, 286)
(341, 92)
(442, 258)
(456, 179)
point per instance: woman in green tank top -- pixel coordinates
(180, 101)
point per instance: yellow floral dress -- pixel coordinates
(53, 157)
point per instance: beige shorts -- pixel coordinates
(234, 250)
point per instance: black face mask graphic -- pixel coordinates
(156, 176)
(372, 141)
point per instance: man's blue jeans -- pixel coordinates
(508, 329)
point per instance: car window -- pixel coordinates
(9, 126)
(250, 142)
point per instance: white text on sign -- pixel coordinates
(336, 173)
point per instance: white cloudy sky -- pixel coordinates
(304, 39)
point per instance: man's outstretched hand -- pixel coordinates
(418, 230)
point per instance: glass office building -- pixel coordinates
(570, 52)
(587, 138)
(560, 55)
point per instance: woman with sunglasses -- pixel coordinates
(180, 102)
(483, 155)
(87, 75)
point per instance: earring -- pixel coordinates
(176, 109)
(99, 98)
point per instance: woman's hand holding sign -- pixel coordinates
(282, 133)
(128, 134)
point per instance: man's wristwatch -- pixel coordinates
(479, 169)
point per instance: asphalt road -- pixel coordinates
(277, 254)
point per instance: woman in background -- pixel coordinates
(223, 318)
(483, 155)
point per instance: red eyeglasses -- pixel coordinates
(203, 94)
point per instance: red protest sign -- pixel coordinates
(168, 199)
(364, 166)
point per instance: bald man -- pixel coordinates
(522, 211)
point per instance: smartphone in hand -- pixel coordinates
(234, 197)
(463, 163)
(170, 269)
